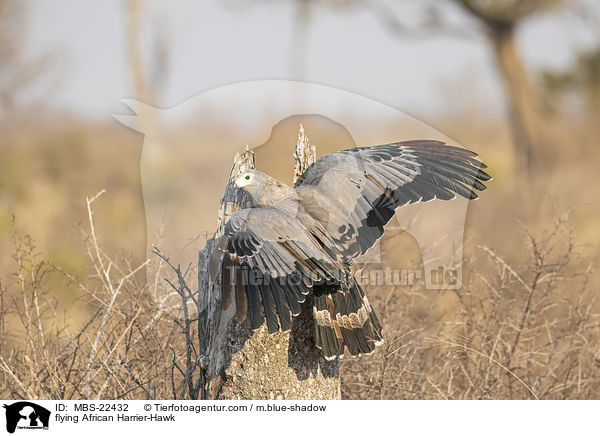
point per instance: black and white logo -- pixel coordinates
(26, 415)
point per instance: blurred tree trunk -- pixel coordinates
(149, 74)
(242, 364)
(525, 116)
(500, 19)
(148, 79)
(133, 34)
(19, 72)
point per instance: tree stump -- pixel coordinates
(241, 364)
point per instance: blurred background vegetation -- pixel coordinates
(516, 81)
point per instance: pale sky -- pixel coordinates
(215, 42)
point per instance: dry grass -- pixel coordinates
(127, 348)
(514, 331)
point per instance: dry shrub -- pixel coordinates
(114, 341)
(529, 329)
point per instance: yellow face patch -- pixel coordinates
(244, 179)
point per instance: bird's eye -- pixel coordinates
(247, 177)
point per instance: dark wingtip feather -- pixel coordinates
(482, 175)
(254, 304)
(241, 300)
(227, 281)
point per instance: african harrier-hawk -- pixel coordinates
(298, 241)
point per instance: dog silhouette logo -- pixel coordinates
(26, 415)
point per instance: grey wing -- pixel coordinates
(270, 262)
(354, 193)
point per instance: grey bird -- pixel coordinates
(301, 241)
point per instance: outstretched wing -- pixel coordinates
(271, 261)
(354, 193)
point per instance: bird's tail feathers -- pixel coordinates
(345, 318)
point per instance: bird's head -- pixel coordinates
(264, 189)
(249, 178)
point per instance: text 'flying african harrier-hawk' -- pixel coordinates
(298, 241)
